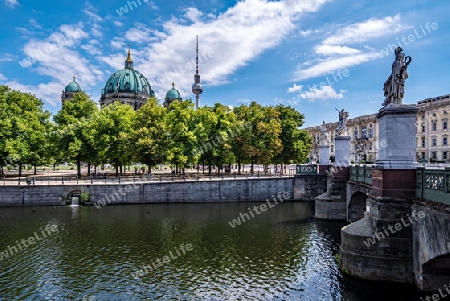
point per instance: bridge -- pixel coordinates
(403, 237)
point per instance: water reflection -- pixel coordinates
(281, 254)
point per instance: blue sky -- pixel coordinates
(314, 55)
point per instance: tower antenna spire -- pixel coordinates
(196, 58)
(197, 88)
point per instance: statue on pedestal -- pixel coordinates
(341, 129)
(394, 87)
(323, 139)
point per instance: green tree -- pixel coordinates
(182, 140)
(296, 143)
(25, 126)
(150, 130)
(74, 138)
(112, 130)
(259, 142)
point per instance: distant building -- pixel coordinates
(171, 95)
(432, 129)
(364, 133)
(68, 92)
(432, 134)
(127, 86)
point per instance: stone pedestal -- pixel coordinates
(342, 150)
(380, 246)
(332, 204)
(324, 154)
(397, 127)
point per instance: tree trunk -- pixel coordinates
(117, 167)
(78, 167)
(34, 170)
(20, 169)
(121, 169)
(54, 166)
(239, 167)
(89, 168)
(209, 167)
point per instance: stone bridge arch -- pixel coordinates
(431, 246)
(356, 200)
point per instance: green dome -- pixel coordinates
(127, 80)
(73, 87)
(173, 93)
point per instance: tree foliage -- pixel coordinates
(24, 128)
(74, 136)
(177, 135)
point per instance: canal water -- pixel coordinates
(177, 252)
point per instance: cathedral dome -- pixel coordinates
(73, 87)
(173, 93)
(127, 86)
(127, 80)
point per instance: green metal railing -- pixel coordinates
(433, 184)
(361, 173)
(306, 169)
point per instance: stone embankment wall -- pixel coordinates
(159, 192)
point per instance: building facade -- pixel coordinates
(432, 129)
(432, 134)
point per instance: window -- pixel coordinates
(423, 156)
(444, 125)
(423, 141)
(364, 132)
(370, 132)
(423, 128)
(433, 125)
(433, 155)
(332, 148)
(356, 133)
(444, 141)
(433, 141)
(370, 146)
(444, 156)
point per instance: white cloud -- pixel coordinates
(333, 64)
(117, 43)
(227, 42)
(90, 10)
(294, 88)
(340, 56)
(58, 57)
(49, 92)
(153, 5)
(371, 28)
(2, 77)
(118, 23)
(331, 49)
(91, 49)
(140, 34)
(11, 3)
(7, 57)
(325, 92)
(193, 14)
(34, 23)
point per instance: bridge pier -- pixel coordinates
(332, 204)
(380, 246)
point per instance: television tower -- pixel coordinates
(197, 87)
